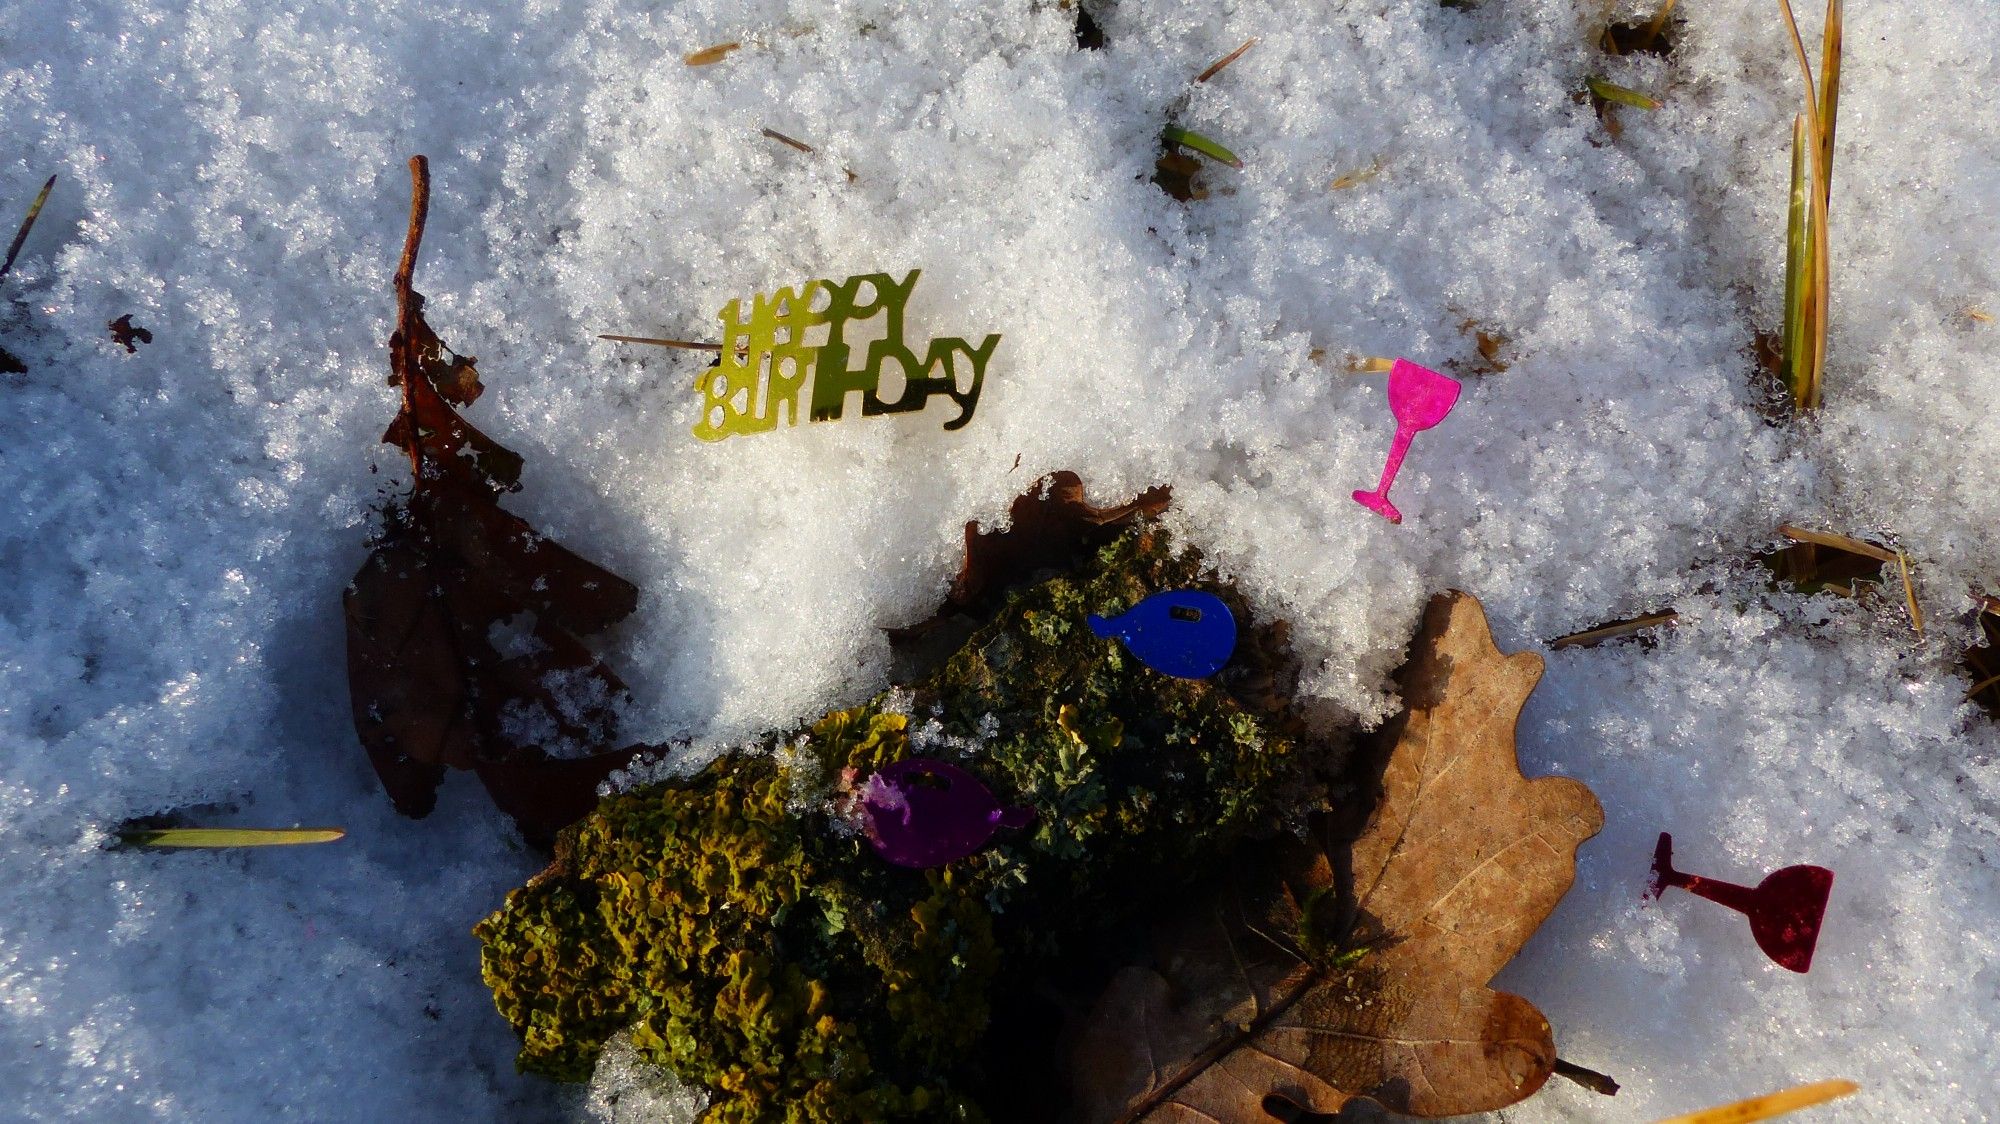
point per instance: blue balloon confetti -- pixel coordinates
(1182, 632)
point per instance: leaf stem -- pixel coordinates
(409, 313)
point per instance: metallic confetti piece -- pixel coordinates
(1182, 632)
(923, 812)
(1420, 398)
(1785, 909)
(770, 355)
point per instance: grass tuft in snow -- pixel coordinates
(1807, 272)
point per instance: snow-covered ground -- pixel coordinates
(178, 524)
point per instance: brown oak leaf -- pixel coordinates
(1355, 964)
(463, 624)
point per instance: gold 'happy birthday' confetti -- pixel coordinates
(796, 337)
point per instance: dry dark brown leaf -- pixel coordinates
(1050, 526)
(1982, 661)
(1355, 964)
(1175, 172)
(463, 624)
(1494, 348)
(128, 335)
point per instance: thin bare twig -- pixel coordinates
(686, 345)
(783, 139)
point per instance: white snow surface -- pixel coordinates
(180, 522)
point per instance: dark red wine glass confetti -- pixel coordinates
(1785, 909)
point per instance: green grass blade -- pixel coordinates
(1188, 138)
(1795, 366)
(1620, 94)
(230, 836)
(27, 224)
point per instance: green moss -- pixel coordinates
(755, 944)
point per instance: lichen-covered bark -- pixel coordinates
(757, 945)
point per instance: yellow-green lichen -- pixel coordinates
(754, 942)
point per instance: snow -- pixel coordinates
(183, 519)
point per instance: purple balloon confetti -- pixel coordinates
(922, 812)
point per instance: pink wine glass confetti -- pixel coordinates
(1420, 398)
(1785, 909)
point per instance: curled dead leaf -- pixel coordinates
(128, 335)
(1246, 997)
(463, 625)
(1050, 526)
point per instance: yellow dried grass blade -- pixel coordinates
(708, 56)
(1910, 594)
(1837, 542)
(1829, 95)
(1794, 365)
(1593, 637)
(231, 836)
(1808, 360)
(1769, 1105)
(1822, 258)
(1342, 183)
(1659, 24)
